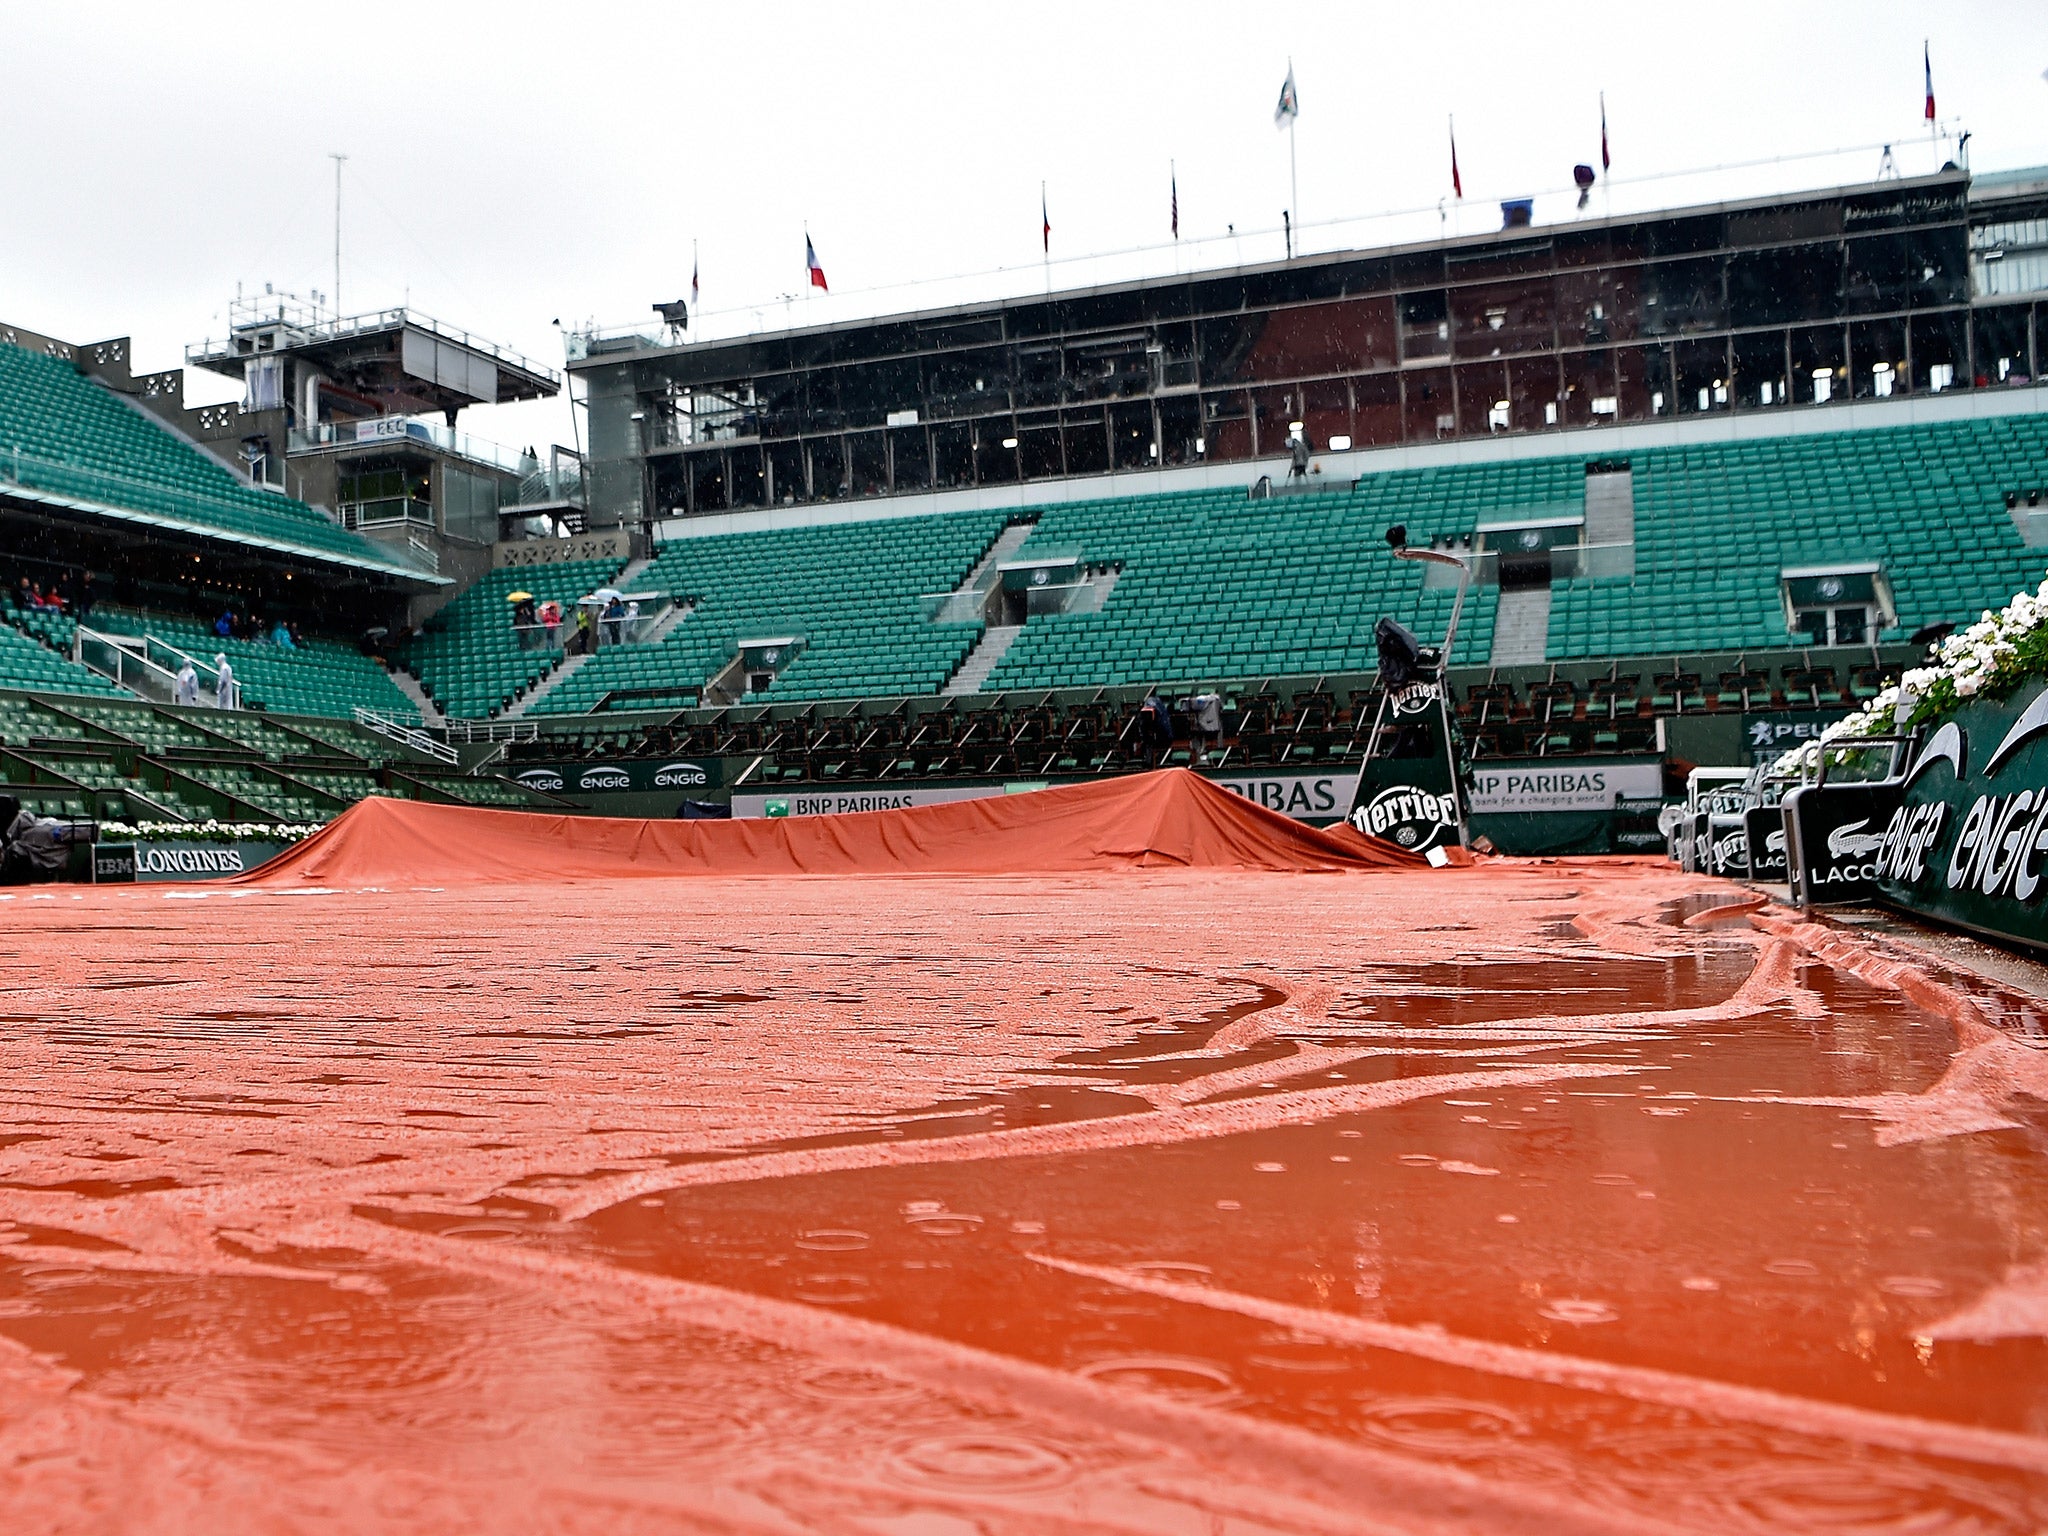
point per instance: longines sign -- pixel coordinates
(123, 862)
(1968, 841)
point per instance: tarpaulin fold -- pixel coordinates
(1166, 819)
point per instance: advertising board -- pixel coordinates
(1966, 841)
(637, 775)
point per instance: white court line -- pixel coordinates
(1670, 1389)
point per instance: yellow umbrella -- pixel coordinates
(518, 597)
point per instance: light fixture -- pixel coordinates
(1201, 445)
(1340, 443)
(1009, 442)
(1294, 427)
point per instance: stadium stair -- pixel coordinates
(1006, 544)
(469, 659)
(1521, 627)
(853, 591)
(318, 676)
(569, 667)
(988, 651)
(409, 685)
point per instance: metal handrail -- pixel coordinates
(207, 671)
(394, 729)
(258, 314)
(378, 431)
(492, 730)
(124, 660)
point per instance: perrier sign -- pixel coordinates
(1406, 793)
(1969, 842)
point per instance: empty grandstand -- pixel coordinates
(1712, 470)
(1712, 546)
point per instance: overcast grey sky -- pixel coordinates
(513, 164)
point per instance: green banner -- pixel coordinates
(636, 775)
(1968, 844)
(182, 861)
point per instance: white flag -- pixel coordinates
(1290, 104)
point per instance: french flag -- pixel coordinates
(811, 261)
(1927, 63)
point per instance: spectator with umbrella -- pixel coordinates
(610, 607)
(523, 617)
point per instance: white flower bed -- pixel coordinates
(1998, 652)
(209, 831)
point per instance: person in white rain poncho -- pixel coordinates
(188, 683)
(224, 681)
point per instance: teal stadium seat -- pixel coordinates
(316, 677)
(470, 659)
(1214, 585)
(63, 434)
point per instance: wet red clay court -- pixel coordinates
(1531, 1197)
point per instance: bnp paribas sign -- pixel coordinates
(1968, 843)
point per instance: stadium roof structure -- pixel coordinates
(1748, 309)
(392, 362)
(350, 551)
(78, 456)
(607, 346)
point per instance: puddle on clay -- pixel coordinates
(960, 1211)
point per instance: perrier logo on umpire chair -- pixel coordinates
(1411, 787)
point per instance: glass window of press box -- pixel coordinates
(1865, 295)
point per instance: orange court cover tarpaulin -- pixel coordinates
(1169, 819)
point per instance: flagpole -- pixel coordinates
(1606, 165)
(1293, 180)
